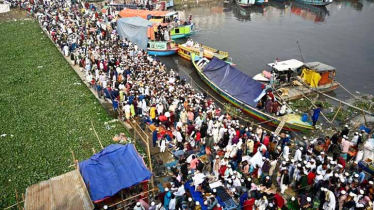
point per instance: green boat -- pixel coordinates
(242, 91)
(182, 31)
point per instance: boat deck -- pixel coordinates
(289, 93)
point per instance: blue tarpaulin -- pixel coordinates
(233, 81)
(114, 168)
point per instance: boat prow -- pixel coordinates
(294, 122)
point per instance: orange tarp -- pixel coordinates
(141, 13)
(325, 78)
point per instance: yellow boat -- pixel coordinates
(185, 52)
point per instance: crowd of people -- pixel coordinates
(256, 166)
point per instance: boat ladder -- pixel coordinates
(281, 125)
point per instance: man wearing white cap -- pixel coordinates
(346, 144)
(342, 198)
(330, 200)
(152, 206)
(298, 154)
(139, 206)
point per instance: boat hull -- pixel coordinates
(163, 52)
(253, 112)
(243, 5)
(180, 36)
(315, 3)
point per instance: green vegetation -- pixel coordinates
(44, 110)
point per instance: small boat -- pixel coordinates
(305, 78)
(207, 52)
(162, 48)
(182, 31)
(245, 3)
(242, 91)
(316, 2)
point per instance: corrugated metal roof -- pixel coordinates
(319, 67)
(63, 192)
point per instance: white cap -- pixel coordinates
(362, 192)
(304, 137)
(346, 126)
(346, 174)
(319, 172)
(205, 202)
(301, 148)
(249, 179)
(322, 153)
(356, 175)
(293, 199)
(352, 194)
(217, 156)
(197, 203)
(323, 189)
(359, 205)
(105, 207)
(343, 192)
(166, 189)
(153, 203)
(371, 182)
(138, 204)
(190, 199)
(218, 205)
(309, 199)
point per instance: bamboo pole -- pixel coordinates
(132, 197)
(97, 136)
(150, 163)
(363, 113)
(336, 114)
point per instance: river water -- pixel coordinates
(340, 35)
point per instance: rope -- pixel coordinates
(347, 90)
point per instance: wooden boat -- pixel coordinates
(305, 78)
(245, 3)
(162, 48)
(163, 17)
(182, 31)
(245, 89)
(316, 2)
(185, 52)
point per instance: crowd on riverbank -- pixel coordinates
(210, 145)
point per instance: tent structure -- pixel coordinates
(114, 168)
(135, 29)
(66, 191)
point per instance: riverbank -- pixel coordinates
(46, 111)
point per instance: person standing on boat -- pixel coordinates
(316, 113)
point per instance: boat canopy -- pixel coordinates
(145, 14)
(233, 81)
(292, 64)
(319, 67)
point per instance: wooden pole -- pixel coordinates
(93, 150)
(18, 204)
(363, 113)
(132, 197)
(97, 136)
(150, 163)
(336, 114)
(74, 160)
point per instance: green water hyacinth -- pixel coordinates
(43, 112)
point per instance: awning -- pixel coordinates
(145, 14)
(319, 67)
(66, 191)
(292, 64)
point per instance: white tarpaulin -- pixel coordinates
(4, 8)
(135, 29)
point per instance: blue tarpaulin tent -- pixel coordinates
(135, 29)
(114, 168)
(233, 81)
